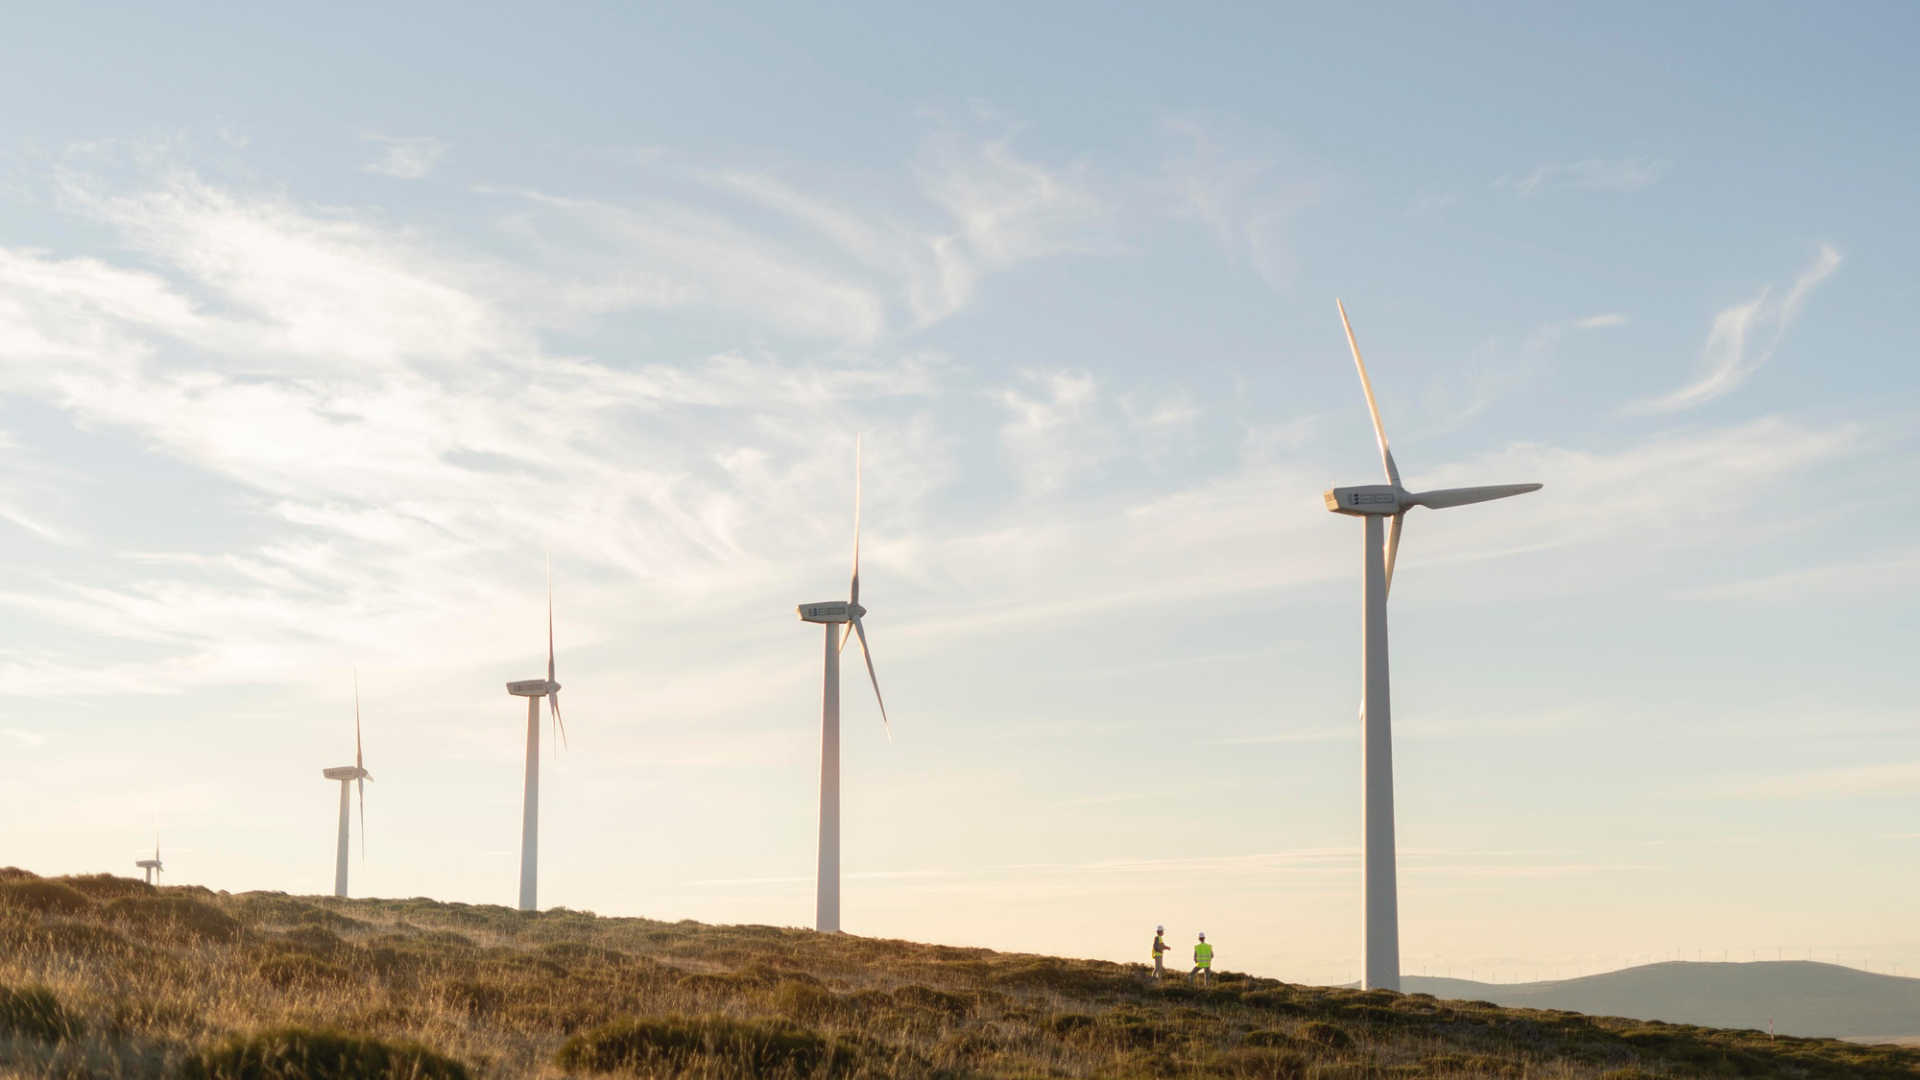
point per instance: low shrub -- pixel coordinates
(1127, 1029)
(803, 1000)
(716, 985)
(299, 971)
(1266, 1063)
(80, 939)
(574, 953)
(1063, 977)
(473, 996)
(925, 997)
(323, 919)
(1269, 1037)
(1278, 1002)
(1363, 1013)
(179, 914)
(35, 1013)
(106, 886)
(702, 1045)
(296, 1053)
(1321, 1033)
(46, 897)
(1069, 1023)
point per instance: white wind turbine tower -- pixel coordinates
(842, 619)
(349, 775)
(151, 866)
(1377, 503)
(533, 690)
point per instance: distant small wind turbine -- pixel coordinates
(533, 690)
(1375, 502)
(842, 619)
(348, 775)
(151, 866)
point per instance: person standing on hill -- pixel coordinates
(1202, 961)
(1159, 951)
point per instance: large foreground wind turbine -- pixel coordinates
(1376, 503)
(842, 619)
(151, 866)
(348, 775)
(533, 690)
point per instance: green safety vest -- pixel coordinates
(1203, 955)
(1159, 947)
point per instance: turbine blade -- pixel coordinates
(358, 761)
(549, 616)
(1393, 545)
(560, 723)
(1373, 409)
(363, 819)
(855, 589)
(1446, 497)
(846, 635)
(861, 630)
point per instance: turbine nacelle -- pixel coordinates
(835, 611)
(346, 772)
(533, 688)
(1366, 499)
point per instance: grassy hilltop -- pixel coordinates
(105, 976)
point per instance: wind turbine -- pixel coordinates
(348, 775)
(842, 619)
(533, 690)
(1377, 503)
(151, 866)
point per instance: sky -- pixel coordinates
(322, 327)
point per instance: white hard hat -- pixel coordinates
(1203, 935)
(1159, 929)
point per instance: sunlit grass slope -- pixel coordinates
(106, 976)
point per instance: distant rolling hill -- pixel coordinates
(1800, 998)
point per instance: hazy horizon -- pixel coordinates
(320, 329)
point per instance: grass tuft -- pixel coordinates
(35, 1013)
(702, 1045)
(1321, 1033)
(47, 897)
(179, 915)
(106, 886)
(298, 1053)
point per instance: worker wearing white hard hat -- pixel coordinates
(1202, 960)
(1159, 951)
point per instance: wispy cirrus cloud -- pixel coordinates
(1052, 431)
(385, 409)
(405, 157)
(1743, 338)
(1496, 368)
(1002, 209)
(1590, 174)
(1248, 199)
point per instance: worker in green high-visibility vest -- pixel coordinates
(1202, 961)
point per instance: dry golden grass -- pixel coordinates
(108, 977)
